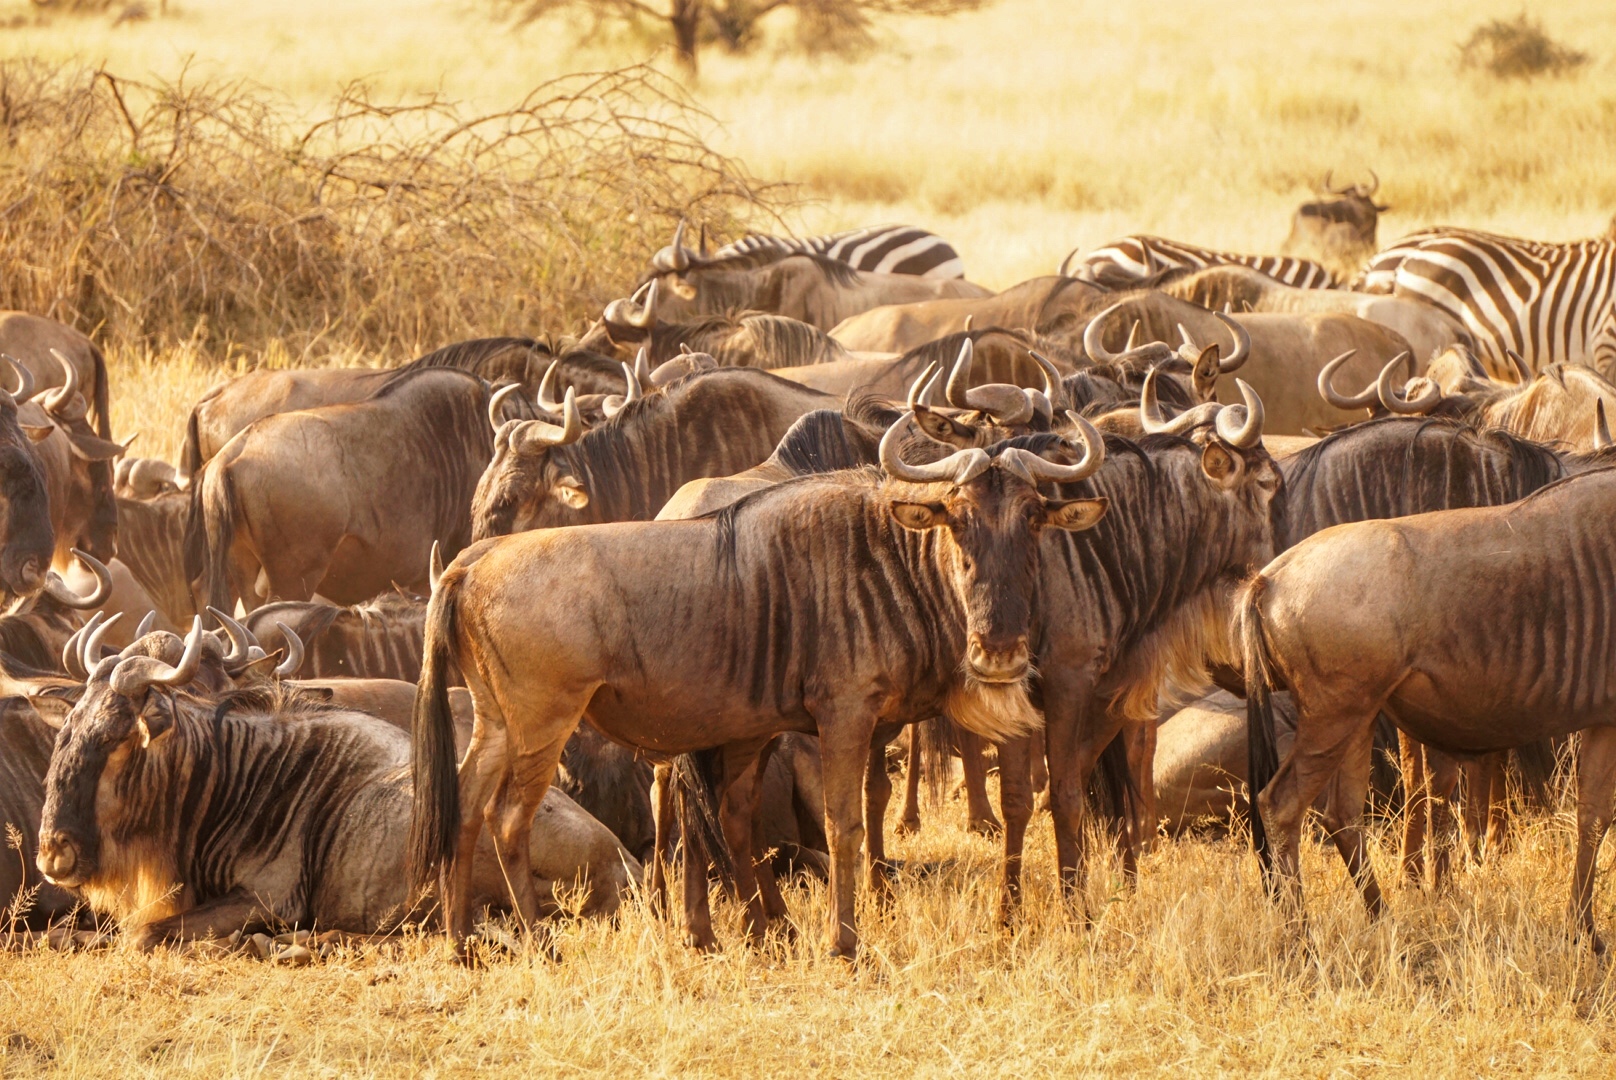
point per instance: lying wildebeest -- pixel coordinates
(1427, 329)
(679, 636)
(378, 639)
(809, 288)
(1057, 307)
(998, 356)
(1475, 630)
(1339, 229)
(33, 341)
(188, 816)
(231, 406)
(151, 546)
(735, 339)
(1134, 606)
(344, 500)
(713, 423)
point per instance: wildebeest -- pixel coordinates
(343, 500)
(378, 639)
(735, 339)
(77, 466)
(1047, 306)
(1474, 630)
(151, 545)
(809, 288)
(187, 816)
(33, 341)
(998, 356)
(27, 538)
(679, 636)
(25, 750)
(1339, 229)
(712, 423)
(1134, 606)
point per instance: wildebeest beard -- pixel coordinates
(995, 711)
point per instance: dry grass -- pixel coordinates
(1193, 973)
(1019, 132)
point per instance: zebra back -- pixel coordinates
(1127, 262)
(879, 249)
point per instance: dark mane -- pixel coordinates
(824, 441)
(488, 358)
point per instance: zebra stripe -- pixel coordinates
(1551, 303)
(1134, 259)
(880, 249)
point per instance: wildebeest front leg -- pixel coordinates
(219, 918)
(1015, 802)
(1416, 806)
(1596, 779)
(1442, 777)
(973, 757)
(1076, 730)
(909, 812)
(844, 748)
(1140, 739)
(877, 794)
(743, 772)
(662, 817)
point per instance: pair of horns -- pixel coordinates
(1353, 189)
(540, 432)
(1094, 345)
(27, 387)
(1238, 425)
(638, 311)
(962, 466)
(676, 258)
(1381, 390)
(1006, 404)
(245, 649)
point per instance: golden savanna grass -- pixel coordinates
(1019, 132)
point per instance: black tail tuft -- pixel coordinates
(435, 815)
(696, 781)
(1262, 750)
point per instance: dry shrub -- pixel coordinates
(206, 213)
(1516, 49)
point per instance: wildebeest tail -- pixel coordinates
(191, 451)
(1262, 751)
(695, 780)
(1112, 791)
(435, 813)
(1536, 765)
(210, 533)
(936, 756)
(103, 412)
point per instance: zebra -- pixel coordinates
(1133, 260)
(881, 249)
(1550, 303)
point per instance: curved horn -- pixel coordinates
(56, 399)
(497, 402)
(1244, 432)
(546, 395)
(614, 404)
(631, 380)
(680, 260)
(134, 674)
(26, 387)
(546, 434)
(91, 646)
(1066, 262)
(1189, 342)
(294, 653)
(434, 566)
(1601, 429)
(1091, 337)
(241, 640)
(1363, 400)
(1329, 174)
(1037, 469)
(144, 626)
(73, 651)
(1374, 185)
(919, 385)
(1523, 374)
(57, 589)
(1052, 377)
(1150, 417)
(642, 367)
(960, 467)
(645, 317)
(701, 247)
(1242, 343)
(959, 379)
(1395, 403)
(1133, 338)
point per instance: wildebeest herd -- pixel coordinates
(675, 584)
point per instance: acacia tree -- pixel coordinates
(822, 25)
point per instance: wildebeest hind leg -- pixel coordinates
(877, 794)
(1416, 806)
(1343, 817)
(1596, 779)
(512, 823)
(662, 817)
(973, 756)
(1442, 771)
(743, 771)
(909, 812)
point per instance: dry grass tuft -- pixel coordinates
(1517, 48)
(203, 212)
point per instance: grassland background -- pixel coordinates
(1019, 132)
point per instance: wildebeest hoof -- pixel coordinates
(988, 827)
(703, 943)
(908, 826)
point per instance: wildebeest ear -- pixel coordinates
(943, 429)
(920, 516)
(37, 433)
(570, 490)
(1075, 515)
(90, 448)
(155, 720)
(54, 701)
(1221, 465)
(1205, 376)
